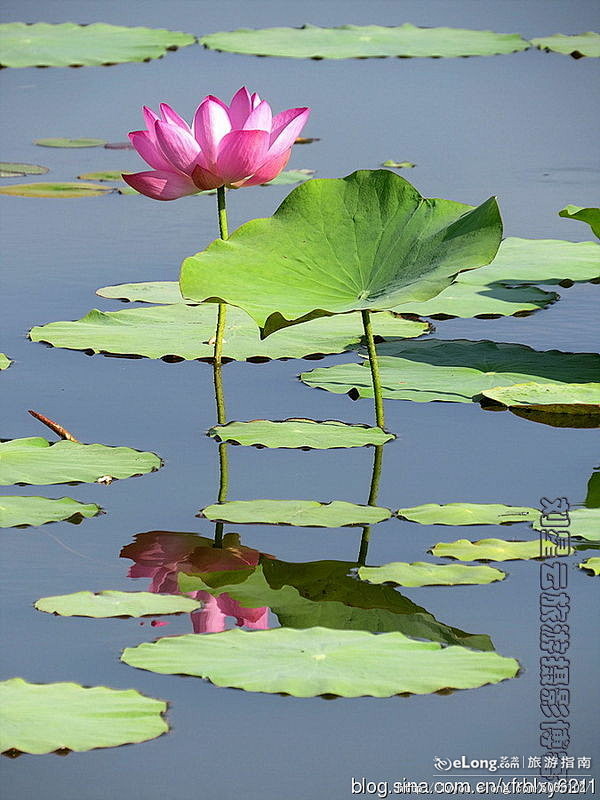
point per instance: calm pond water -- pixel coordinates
(519, 126)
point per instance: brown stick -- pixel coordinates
(54, 426)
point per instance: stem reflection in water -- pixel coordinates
(373, 493)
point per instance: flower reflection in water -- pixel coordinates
(161, 555)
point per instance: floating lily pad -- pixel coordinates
(584, 523)
(455, 371)
(398, 164)
(115, 604)
(9, 169)
(589, 215)
(62, 142)
(364, 41)
(592, 564)
(488, 550)
(422, 574)
(367, 241)
(39, 510)
(60, 190)
(40, 718)
(36, 461)
(187, 332)
(101, 176)
(5, 361)
(70, 45)
(539, 261)
(299, 433)
(564, 398)
(322, 593)
(582, 44)
(468, 514)
(304, 513)
(470, 300)
(290, 176)
(315, 661)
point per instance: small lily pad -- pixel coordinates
(62, 142)
(589, 215)
(71, 45)
(36, 461)
(101, 176)
(303, 513)
(398, 164)
(9, 169)
(187, 332)
(291, 176)
(16, 510)
(60, 190)
(468, 514)
(421, 573)
(364, 41)
(582, 44)
(584, 523)
(470, 300)
(563, 398)
(488, 550)
(314, 661)
(41, 718)
(591, 564)
(299, 433)
(5, 361)
(105, 604)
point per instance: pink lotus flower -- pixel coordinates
(240, 144)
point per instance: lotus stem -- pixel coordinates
(373, 494)
(374, 364)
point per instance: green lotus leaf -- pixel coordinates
(187, 332)
(115, 604)
(291, 176)
(322, 593)
(36, 461)
(10, 169)
(398, 164)
(60, 190)
(5, 361)
(539, 261)
(470, 300)
(455, 371)
(101, 176)
(592, 498)
(39, 510)
(422, 574)
(364, 41)
(489, 550)
(589, 215)
(70, 45)
(583, 523)
(582, 44)
(62, 142)
(314, 661)
(299, 433)
(303, 513)
(159, 292)
(367, 241)
(41, 718)
(592, 564)
(563, 398)
(468, 514)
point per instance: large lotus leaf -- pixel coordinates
(303, 513)
(15, 510)
(421, 573)
(37, 461)
(367, 241)
(589, 215)
(5, 361)
(563, 398)
(115, 604)
(364, 41)
(489, 550)
(187, 332)
(337, 601)
(582, 44)
(539, 261)
(583, 523)
(470, 300)
(55, 190)
(468, 514)
(453, 370)
(299, 433)
(10, 169)
(592, 564)
(70, 45)
(315, 661)
(40, 718)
